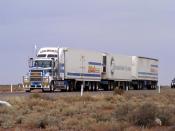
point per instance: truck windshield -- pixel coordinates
(43, 63)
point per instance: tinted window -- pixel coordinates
(43, 55)
(43, 63)
(52, 56)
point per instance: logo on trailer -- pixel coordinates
(112, 66)
(93, 69)
(123, 68)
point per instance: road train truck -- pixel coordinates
(68, 68)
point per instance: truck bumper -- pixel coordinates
(28, 88)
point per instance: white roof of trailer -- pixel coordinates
(146, 58)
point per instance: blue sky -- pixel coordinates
(132, 27)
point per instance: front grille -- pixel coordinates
(36, 75)
(36, 71)
(35, 78)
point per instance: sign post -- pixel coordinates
(82, 88)
(126, 88)
(159, 89)
(11, 88)
(82, 74)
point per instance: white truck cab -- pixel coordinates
(47, 52)
(41, 69)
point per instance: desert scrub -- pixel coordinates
(128, 112)
(109, 98)
(108, 126)
(4, 110)
(86, 122)
(41, 96)
(71, 124)
(35, 120)
(85, 98)
(123, 111)
(70, 111)
(7, 117)
(118, 91)
(35, 96)
(107, 106)
(39, 104)
(101, 117)
(6, 121)
(165, 114)
(144, 116)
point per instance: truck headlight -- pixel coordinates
(26, 81)
(45, 81)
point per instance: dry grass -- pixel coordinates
(124, 112)
(7, 88)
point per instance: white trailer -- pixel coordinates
(83, 65)
(144, 72)
(117, 70)
(76, 66)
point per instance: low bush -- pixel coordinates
(85, 98)
(107, 106)
(7, 121)
(165, 115)
(144, 116)
(118, 91)
(71, 124)
(35, 96)
(70, 111)
(123, 111)
(35, 120)
(108, 126)
(100, 117)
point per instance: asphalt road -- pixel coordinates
(95, 93)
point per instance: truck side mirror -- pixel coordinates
(30, 62)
